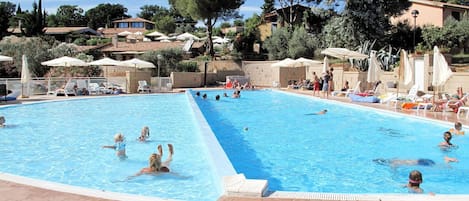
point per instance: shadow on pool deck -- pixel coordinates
(13, 191)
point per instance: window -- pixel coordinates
(136, 25)
(122, 25)
(456, 15)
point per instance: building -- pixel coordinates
(273, 20)
(132, 25)
(431, 13)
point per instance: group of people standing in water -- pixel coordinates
(156, 165)
(415, 176)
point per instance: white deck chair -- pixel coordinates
(143, 86)
(68, 90)
(412, 95)
(355, 90)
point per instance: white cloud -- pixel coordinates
(250, 9)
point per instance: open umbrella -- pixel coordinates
(343, 53)
(137, 63)
(284, 63)
(305, 62)
(25, 76)
(65, 61)
(125, 33)
(105, 62)
(5, 58)
(155, 34)
(187, 36)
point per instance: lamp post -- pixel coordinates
(159, 57)
(415, 13)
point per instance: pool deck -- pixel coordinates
(12, 191)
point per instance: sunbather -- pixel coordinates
(119, 146)
(457, 130)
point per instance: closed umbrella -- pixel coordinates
(374, 68)
(441, 70)
(325, 64)
(25, 77)
(5, 58)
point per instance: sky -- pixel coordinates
(133, 6)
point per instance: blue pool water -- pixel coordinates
(61, 142)
(297, 151)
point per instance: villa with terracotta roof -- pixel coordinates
(431, 13)
(130, 24)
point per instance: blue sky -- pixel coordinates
(249, 7)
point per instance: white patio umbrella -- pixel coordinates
(407, 69)
(305, 62)
(155, 34)
(187, 36)
(163, 38)
(221, 40)
(65, 61)
(284, 63)
(105, 62)
(343, 53)
(137, 63)
(165, 41)
(374, 68)
(325, 64)
(5, 58)
(25, 77)
(125, 33)
(441, 70)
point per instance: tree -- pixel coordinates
(7, 10)
(153, 12)
(277, 44)
(363, 20)
(268, 6)
(32, 23)
(165, 24)
(70, 15)
(103, 14)
(208, 11)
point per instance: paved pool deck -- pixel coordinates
(11, 191)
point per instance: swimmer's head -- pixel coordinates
(119, 137)
(458, 126)
(447, 136)
(154, 161)
(415, 178)
(245, 128)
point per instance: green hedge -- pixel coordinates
(461, 59)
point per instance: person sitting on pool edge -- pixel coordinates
(457, 130)
(119, 145)
(144, 134)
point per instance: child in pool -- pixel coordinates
(119, 145)
(2, 121)
(144, 134)
(447, 143)
(415, 179)
(155, 165)
(457, 130)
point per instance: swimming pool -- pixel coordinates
(297, 151)
(61, 142)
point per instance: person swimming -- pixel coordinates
(318, 113)
(144, 134)
(411, 162)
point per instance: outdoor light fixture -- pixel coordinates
(415, 13)
(159, 57)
